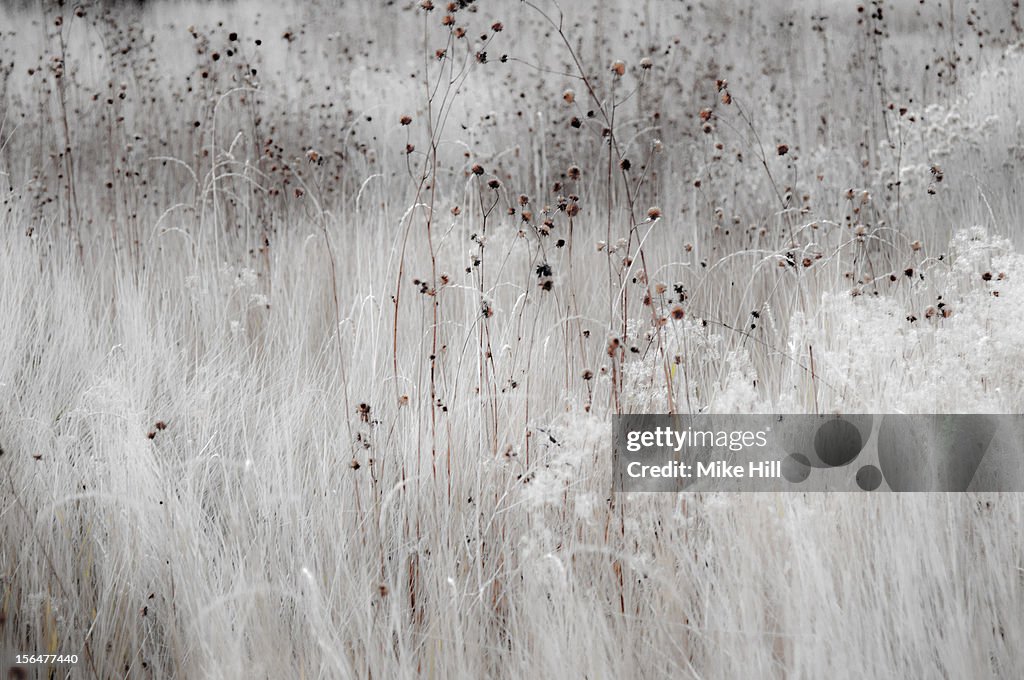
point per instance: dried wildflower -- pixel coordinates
(618, 68)
(569, 96)
(625, 164)
(364, 412)
(915, 246)
(573, 209)
(494, 184)
(355, 464)
(726, 98)
(574, 172)
(646, 63)
(426, 5)
(677, 313)
(654, 213)
(497, 27)
(405, 120)
(448, 20)
(403, 400)
(705, 114)
(782, 149)
(477, 169)
(588, 374)
(160, 425)
(460, 32)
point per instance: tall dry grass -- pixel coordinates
(315, 319)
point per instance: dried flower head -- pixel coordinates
(618, 67)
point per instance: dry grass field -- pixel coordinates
(314, 318)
